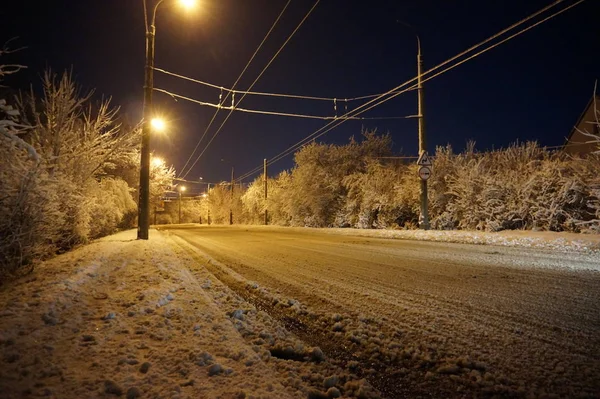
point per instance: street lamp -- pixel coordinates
(157, 162)
(181, 189)
(144, 199)
(158, 124)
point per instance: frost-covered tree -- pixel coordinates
(221, 201)
(253, 200)
(279, 200)
(21, 239)
(317, 180)
(522, 186)
(161, 181)
(58, 181)
(370, 196)
(78, 141)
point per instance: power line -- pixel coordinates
(235, 83)
(319, 132)
(275, 113)
(393, 93)
(264, 94)
(253, 83)
(306, 97)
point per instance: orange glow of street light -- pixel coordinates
(158, 124)
(157, 162)
(188, 4)
(182, 188)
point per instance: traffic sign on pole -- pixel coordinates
(424, 159)
(424, 172)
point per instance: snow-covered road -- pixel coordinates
(420, 317)
(264, 312)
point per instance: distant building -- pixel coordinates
(578, 143)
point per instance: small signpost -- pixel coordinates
(425, 166)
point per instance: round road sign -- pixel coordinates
(424, 172)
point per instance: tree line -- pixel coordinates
(523, 186)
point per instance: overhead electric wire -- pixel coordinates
(318, 133)
(253, 83)
(264, 94)
(145, 15)
(235, 83)
(275, 113)
(393, 92)
(306, 97)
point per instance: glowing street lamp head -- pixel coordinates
(158, 124)
(182, 188)
(188, 4)
(158, 162)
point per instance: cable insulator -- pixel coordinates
(335, 106)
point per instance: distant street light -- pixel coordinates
(144, 199)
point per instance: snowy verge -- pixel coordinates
(557, 241)
(142, 318)
(124, 317)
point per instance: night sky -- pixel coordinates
(532, 88)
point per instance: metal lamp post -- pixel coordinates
(144, 198)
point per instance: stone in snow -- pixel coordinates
(215, 369)
(238, 314)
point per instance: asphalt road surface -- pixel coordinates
(421, 319)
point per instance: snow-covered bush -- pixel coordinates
(317, 195)
(57, 181)
(521, 187)
(253, 201)
(109, 200)
(79, 143)
(371, 198)
(220, 202)
(279, 200)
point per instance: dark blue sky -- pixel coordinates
(531, 88)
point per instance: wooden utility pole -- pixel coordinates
(265, 175)
(207, 205)
(424, 217)
(231, 203)
(180, 206)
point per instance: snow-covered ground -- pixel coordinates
(558, 241)
(219, 316)
(122, 317)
